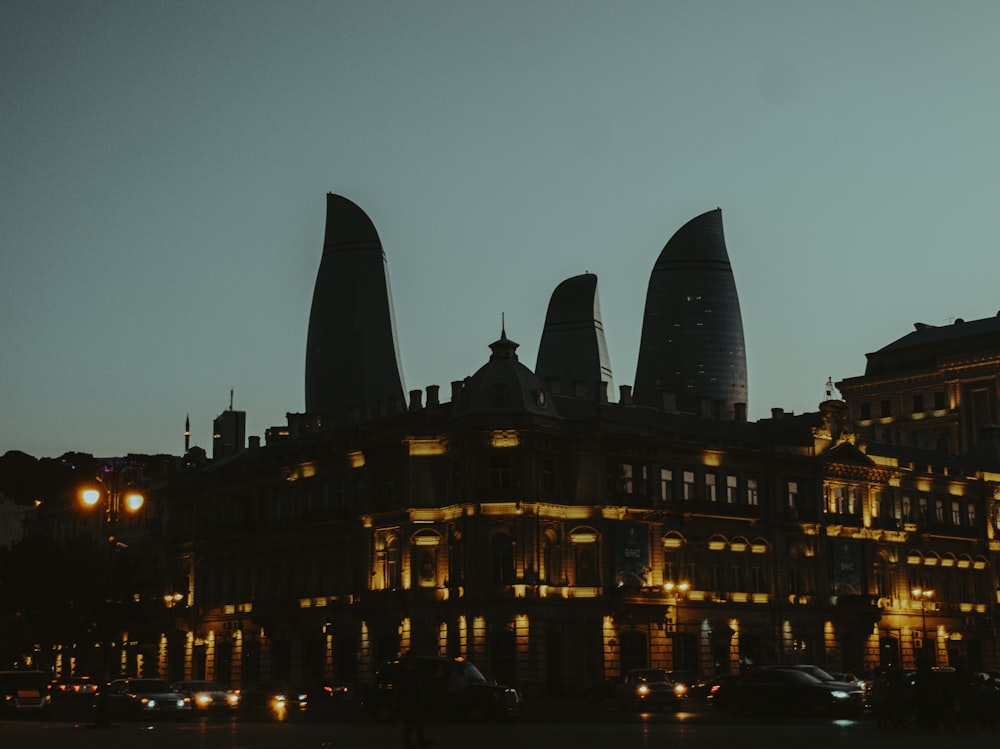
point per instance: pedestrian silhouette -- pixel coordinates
(411, 702)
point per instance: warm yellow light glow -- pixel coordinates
(922, 593)
(716, 544)
(90, 497)
(426, 446)
(505, 438)
(134, 501)
(356, 459)
(713, 459)
(672, 542)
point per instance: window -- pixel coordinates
(956, 512)
(918, 404)
(885, 408)
(853, 500)
(502, 553)
(500, 471)
(548, 475)
(752, 497)
(793, 499)
(922, 515)
(666, 485)
(939, 402)
(972, 514)
(731, 486)
(865, 413)
(710, 487)
(938, 510)
(907, 509)
(688, 486)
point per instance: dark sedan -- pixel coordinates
(452, 689)
(137, 698)
(781, 691)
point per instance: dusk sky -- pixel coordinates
(165, 169)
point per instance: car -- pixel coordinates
(73, 686)
(273, 698)
(649, 688)
(453, 689)
(788, 691)
(24, 693)
(135, 697)
(708, 690)
(208, 696)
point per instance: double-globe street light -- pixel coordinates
(116, 488)
(923, 595)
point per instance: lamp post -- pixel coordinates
(923, 595)
(115, 488)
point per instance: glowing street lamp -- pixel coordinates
(114, 488)
(677, 591)
(923, 595)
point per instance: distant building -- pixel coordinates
(12, 517)
(352, 358)
(229, 433)
(692, 356)
(935, 388)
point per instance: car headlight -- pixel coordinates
(204, 699)
(643, 690)
(839, 694)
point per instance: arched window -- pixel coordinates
(502, 559)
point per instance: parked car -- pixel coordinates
(24, 693)
(139, 697)
(649, 688)
(789, 691)
(453, 688)
(208, 696)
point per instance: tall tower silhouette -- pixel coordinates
(692, 350)
(352, 357)
(573, 348)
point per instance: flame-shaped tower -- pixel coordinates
(573, 348)
(692, 348)
(352, 357)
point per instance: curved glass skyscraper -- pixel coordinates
(691, 352)
(352, 357)
(573, 348)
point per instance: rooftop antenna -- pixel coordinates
(230, 399)
(503, 325)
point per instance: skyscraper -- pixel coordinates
(691, 351)
(352, 357)
(573, 349)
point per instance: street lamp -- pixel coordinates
(923, 595)
(115, 488)
(676, 591)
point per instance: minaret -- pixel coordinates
(692, 355)
(352, 357)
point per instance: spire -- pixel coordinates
(187, 433)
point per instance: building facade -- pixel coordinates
(556, 536)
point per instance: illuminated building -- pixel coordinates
(555, 535)
(935, 387)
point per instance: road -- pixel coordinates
(581, 726)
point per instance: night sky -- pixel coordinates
(165, 170)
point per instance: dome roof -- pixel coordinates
(504, 385)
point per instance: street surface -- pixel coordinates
(580, 725)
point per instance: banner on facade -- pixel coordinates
(846, 567)
(632, 555)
